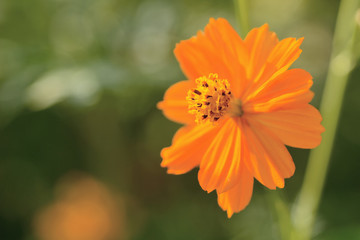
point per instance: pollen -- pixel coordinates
(210, 100)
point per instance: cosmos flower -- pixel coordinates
(83, 210)
(240, 106)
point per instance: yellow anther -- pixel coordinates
(210, 100)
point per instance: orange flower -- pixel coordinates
(84, 210)
(241, 106)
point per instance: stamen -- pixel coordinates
(197, 92)
(210, 100)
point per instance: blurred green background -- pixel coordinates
(79, 83)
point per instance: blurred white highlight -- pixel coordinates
(78, 85)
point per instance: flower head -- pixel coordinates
(240, 106)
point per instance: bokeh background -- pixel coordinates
(80, 134)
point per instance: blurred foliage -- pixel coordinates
(79, 83)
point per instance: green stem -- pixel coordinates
(242, 16)
(281, 212)
(341, 64)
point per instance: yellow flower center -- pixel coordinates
(210, 100)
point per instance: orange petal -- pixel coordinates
(219, 49)
(282, 91)
(260, 43)
(220, 166)
(238, 197)
(188, 147)
(174, 105)
(269, 160)
(281, 102)
(285, 53)
(298, 127)
(278, 61)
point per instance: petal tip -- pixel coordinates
(160, 105)
(204, 184)
(229, 214)
(300, 40)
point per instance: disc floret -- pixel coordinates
(210, 100)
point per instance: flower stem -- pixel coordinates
(281, 212)
(342, 62)
(242, 16)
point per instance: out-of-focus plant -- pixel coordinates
(345, 54)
